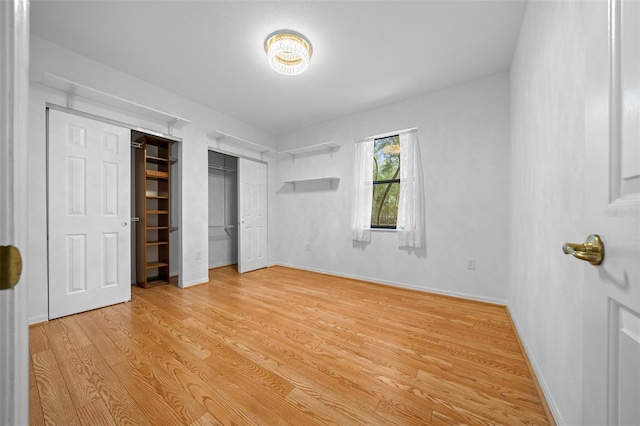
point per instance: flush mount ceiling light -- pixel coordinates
(288, 52)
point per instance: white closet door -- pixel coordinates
(252, 213)
(89, 213)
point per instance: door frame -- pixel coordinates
(132, 127)
(217, 151)
(14, 100)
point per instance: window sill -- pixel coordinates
(382, 230)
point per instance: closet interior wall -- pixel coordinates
(223, 210)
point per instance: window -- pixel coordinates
(386, 182)
(388, 188)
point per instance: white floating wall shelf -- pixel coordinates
(219, 137)
(74, 89)
(333, 181)
(329, 147)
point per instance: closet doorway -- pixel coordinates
(156, 208)
(223, 210)
(237, 212)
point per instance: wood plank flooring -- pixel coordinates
(281, 346)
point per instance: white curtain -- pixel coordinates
(363, 196)
(411, 212)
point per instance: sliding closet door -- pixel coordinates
(89, 214)
(252, 215)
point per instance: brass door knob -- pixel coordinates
(10, 267)
(591, 251)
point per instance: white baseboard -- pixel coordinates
(38, 319)
(501, 302)
(536, 370)
(220, 265)
(195, 282)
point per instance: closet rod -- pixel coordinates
(223, 168)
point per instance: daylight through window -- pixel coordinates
(386, 182)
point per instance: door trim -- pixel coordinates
(14, 100)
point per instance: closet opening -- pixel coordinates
(223, 210)
(155, 210)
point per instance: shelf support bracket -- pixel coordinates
(170, 124)
(71, 93)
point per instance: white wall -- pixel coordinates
(463, 133)
(547, 198)
(48, 57)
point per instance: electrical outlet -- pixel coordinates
(198, 255)
(471, 264)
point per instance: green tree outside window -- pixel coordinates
(386, 182)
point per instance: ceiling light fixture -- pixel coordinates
(288, 52)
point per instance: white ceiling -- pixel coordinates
(365, 54)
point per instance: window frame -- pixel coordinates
(385, 182)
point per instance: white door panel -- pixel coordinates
(89, 213)
(611, 338)
(252, 213)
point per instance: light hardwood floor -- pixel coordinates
(283, 346)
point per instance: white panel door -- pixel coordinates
(252, 215)
(14, 100)
(89, 213)
(611, 334)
